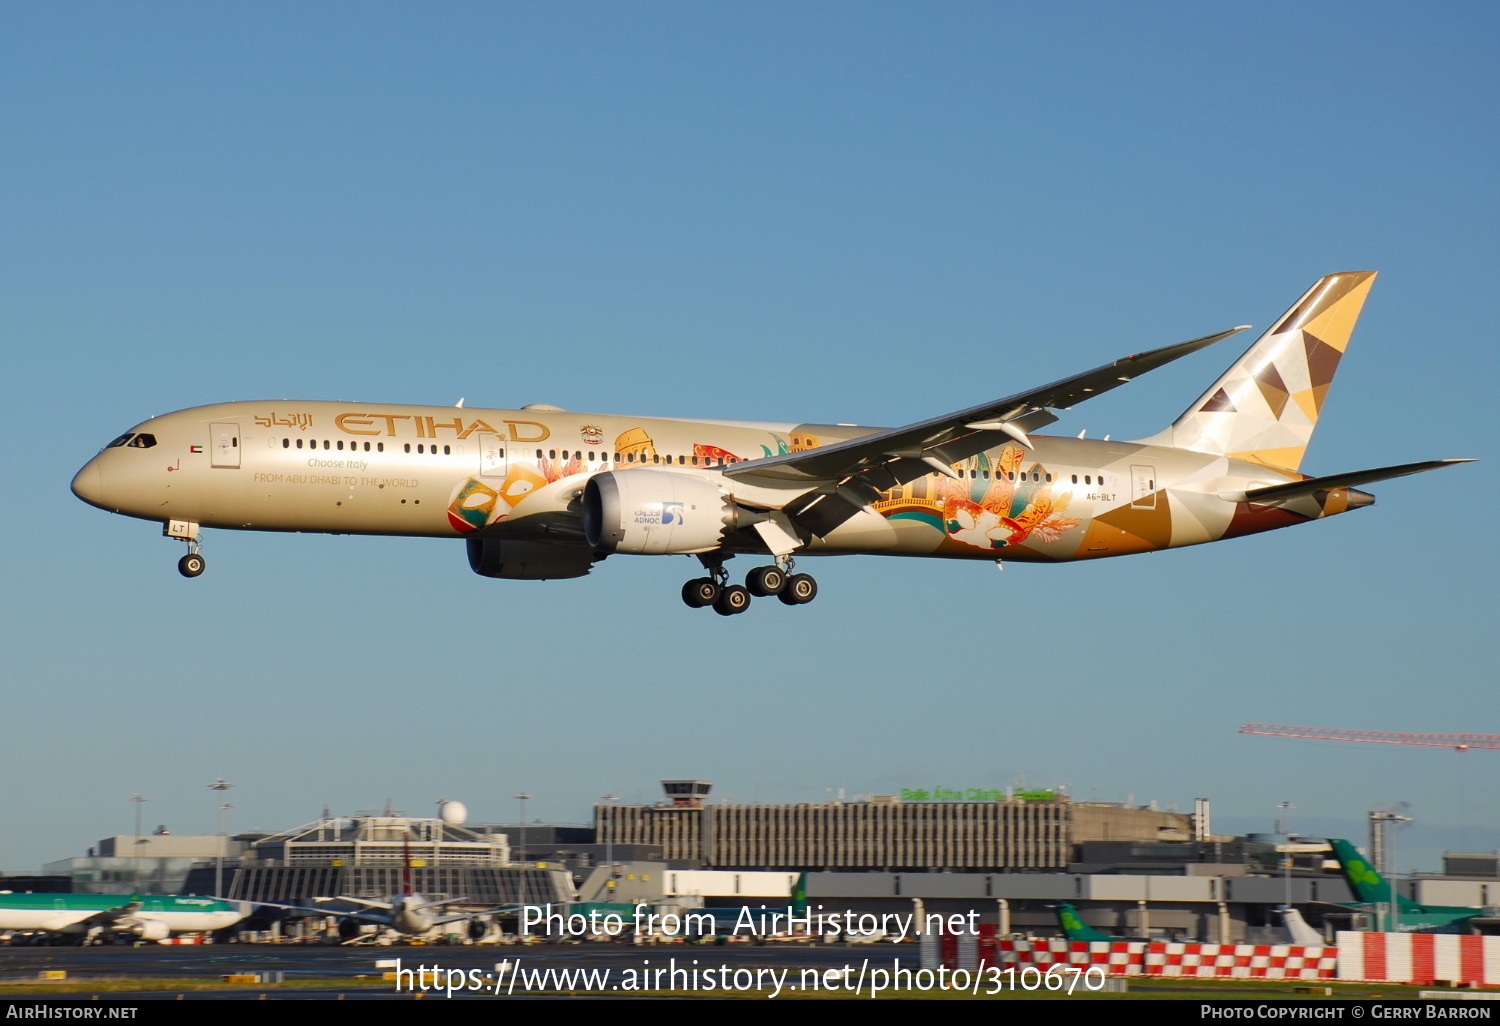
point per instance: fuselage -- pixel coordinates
(448, 472)
(78, 913)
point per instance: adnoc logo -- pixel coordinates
(671, 514)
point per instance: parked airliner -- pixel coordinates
(92, 917)
(540, 492)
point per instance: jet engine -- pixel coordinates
(528, 560)
(655, 512)
(153, 930)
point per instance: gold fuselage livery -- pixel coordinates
(542, 492)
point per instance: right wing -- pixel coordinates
(853, 472)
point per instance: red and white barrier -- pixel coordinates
(1138, 958)
(1421, 958)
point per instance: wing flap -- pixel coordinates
(63, 920)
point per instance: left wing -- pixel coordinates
(860, 468)
(119, 917)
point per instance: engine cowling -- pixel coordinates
(153, 930)
(655, 512)
(528, 560)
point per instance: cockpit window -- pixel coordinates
(143, 441)
(127, 436)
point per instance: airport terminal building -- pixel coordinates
(1039, 832)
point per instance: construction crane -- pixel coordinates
(1459, 742)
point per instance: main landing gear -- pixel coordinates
(764, 581)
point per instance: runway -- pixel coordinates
(456, 971)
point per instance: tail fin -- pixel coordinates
(1265, 407)
(1369, 887)
(1074, 928)
(1298, 932)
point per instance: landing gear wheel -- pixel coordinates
(800, 588)
(764, 581)
(191, 565)
(700, 592)
(733, 599)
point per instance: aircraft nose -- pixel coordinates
(88, 484)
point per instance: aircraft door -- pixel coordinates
(491, 455)
(1142, 487)
(477, 503)
(225, 445)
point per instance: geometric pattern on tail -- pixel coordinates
(1265, 407)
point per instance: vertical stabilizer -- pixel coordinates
(1369, 886)
(1074, 928)
(799, 895)
(1265, 407)
(1298, 932)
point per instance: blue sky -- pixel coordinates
(829, 212)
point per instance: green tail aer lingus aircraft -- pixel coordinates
(1370, 888)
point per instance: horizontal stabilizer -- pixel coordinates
(1275, 494)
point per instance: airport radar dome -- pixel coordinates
(451, 812)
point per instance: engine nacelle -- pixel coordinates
(528, 560)
(655, 512)
(153, 930)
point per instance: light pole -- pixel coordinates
(1392, 883)
(138, 800)
(220, 785)
(523, 798)
(609, 847)
(1382, 853)
(1284, 826)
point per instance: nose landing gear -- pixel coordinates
(193, 563)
